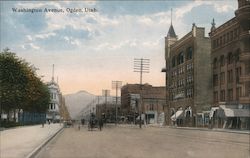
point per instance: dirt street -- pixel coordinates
(132, 142)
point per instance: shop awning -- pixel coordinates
(213, 109)
(237, 112)
(178, 114)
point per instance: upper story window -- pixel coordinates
(180, 58)
(215, 63)
(189, 67)
(222, 78)
(215, 80)
(173, 61)
(231, 36)
(189, 53)
(216, 96)
(230, 58)
(237, 55)
(230, 76)
(222, 60)
(214, 44)
(222, 95)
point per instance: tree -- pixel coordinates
(20, 87)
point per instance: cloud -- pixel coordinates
(45, 35)
(29, 37)
(28, 46)
(223, 8)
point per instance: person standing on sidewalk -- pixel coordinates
(100, 124)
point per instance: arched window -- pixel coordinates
(180, 58)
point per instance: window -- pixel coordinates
(189, 79)
(222, 95)
(238, 93)
(238, 74)
(189, 67)
(230, 76)
(227, 38)
(215, 63)
(214, 44)
(222, 60)
(235, 33)
(222, 78)
(189, 53)
(224, 39)
(181, 70)
(231, 36)
(189, 93)
(151, 107)
(215, 96)
(180, 58)
(237, 55)
(173, 61)
(230, 58)
(215, 80)
(230, 94)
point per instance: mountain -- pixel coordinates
(77, 101)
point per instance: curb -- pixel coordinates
(212, 130)
(37, 149)
(200, 129)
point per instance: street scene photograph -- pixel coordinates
(125, 79)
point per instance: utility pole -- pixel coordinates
(142, 66)
(105, 93)
(116, 85)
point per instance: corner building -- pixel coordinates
(188, 77)
(230, 44)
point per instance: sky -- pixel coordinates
(92, 49)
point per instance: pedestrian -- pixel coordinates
(100, 124)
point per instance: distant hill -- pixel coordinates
(77, 101)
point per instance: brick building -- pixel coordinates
(230, 44)
(188, 77)
(152, 101)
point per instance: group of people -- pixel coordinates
(93, 122)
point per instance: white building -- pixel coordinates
(53, 113)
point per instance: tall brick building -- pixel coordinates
(152, 98)
(188, 77)
(230, 44)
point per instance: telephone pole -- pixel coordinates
(116, 85)
(105, 93)
(142, 66)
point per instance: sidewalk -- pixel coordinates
(188, 128)
(215, 130)
(21, 142)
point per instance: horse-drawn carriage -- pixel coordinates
(94, 123)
